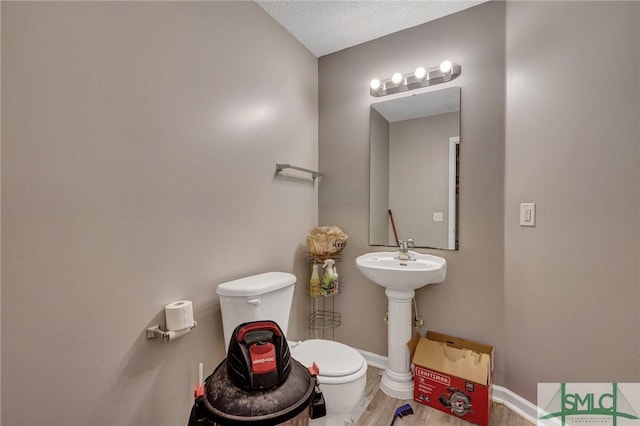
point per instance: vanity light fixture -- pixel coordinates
(420, 72)
(421, 77)
(445, 66)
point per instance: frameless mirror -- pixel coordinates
(414, 165)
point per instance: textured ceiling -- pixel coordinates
(325, 27)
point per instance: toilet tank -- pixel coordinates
(266, 296)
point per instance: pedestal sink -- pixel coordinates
(400, 278)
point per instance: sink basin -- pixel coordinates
(385, 270)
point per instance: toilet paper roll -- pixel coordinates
(179, 315)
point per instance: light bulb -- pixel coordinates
(375, 84)
(396, 78)
(420, 73)
(445, 66)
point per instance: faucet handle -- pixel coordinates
(406, 244)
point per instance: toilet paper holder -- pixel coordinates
(156, 332)
(179, 321)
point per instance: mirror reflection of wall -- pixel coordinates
(414, 152)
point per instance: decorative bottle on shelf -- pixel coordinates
(336, 280)
(329, 278)
(314, 282)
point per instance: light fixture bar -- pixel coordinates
(447, 71)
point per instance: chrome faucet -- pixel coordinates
(404, 246)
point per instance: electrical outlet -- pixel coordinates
(527, 214)
(438, 216)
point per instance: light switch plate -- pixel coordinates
(438, 216)
(527, 214)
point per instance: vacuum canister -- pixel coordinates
(259, 383)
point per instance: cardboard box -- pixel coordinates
(453, 375)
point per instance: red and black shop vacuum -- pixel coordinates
(259, 383)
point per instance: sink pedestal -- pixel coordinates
(400, 278)
(397, 380)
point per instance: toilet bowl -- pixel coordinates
(343, 374)
(268, 296)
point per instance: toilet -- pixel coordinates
(268, 296)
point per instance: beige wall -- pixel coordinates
(138, 158)
(470, 302)
(419, 158)
(572, 138)
(0, 225)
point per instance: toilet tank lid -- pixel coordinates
(256, 285)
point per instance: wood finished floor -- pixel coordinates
(381, 407)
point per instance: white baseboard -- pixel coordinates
(500, 395)
(515, 403)
(375, 360)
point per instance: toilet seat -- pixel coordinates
(338, 362)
